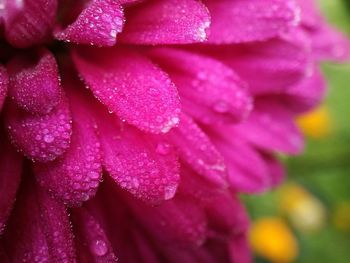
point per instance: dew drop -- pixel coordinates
(163, 148)
(169, 192)
(99, 248)
(221, 106)
(48, 138)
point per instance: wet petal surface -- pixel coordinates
(166, 22)
(132, 86)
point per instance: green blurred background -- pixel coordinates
(322, 173)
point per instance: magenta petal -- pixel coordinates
(146, 251)
(98, 24)
(307, 94)
(74, 177)
(254, 20)
(246, 170)
(40, 138)
(178, 221)
(194, 186)
(132, 86)
(329, 44)
(166, 22)
(39, 230)
(34, 82)
(310, 15)
(10, 174)
(3, 85)
(239, 249)
(29, 22)
(196, 149)
(209, 90)
(146, 167)
(280, 62)
(271, 126)
(276, 169)
(227, 215)
(91, 241)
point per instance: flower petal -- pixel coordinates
(39, 229)
(254, 20)
(166, 22)
(196, 149)
(145, 166)
(329, 44)
(34, 82)
(310, 15)
(98, 24)
(227, 215)
(40, 138)
(209, 90)
(129, 84)
(194, 186)
(10, 174)
(307, 94)
(29, 22)
(240, 250)
(271, 126)
(276, 168)
(246, 170)
(3, 85)
(177, 221)
(74, 177)
(281, 62)
(92, 242)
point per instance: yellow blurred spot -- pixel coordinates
(304, 210)
(317, 123)
(341, 217)
(272, 239)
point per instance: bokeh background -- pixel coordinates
(307, 220)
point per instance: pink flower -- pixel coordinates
(186, 104)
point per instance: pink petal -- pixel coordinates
(91, 240)
(175, 254)
(209, 90)
(34, 82)
(178, 221)
(146, 251)
(166, 22)
(306, 94)
(192, 185)
(196, 149)
(39, 230)
(98, 24)
(40, 138)
(280, 62)
(129, 84)
(74, 177)
(3, 85)
(10, 174)
(310, 14)
(329, 44)
(271, 126)
(254, 20)
(29, 22)
(145, 166)
(227, 215)
(276, 168)
(246, 170)
(239, 249)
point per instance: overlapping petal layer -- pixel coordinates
(187, 104)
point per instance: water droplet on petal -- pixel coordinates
(99, 247)
(163, 148)
(221, 106)
(169, 192)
